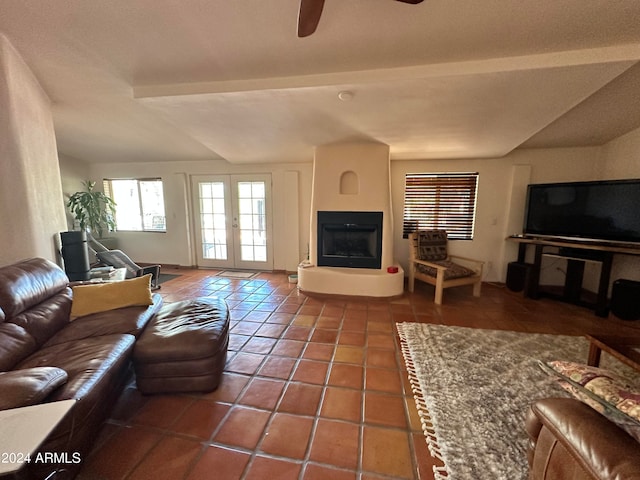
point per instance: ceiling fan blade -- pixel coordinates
(412, 2)
(309, 16)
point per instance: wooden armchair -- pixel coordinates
(430, 262)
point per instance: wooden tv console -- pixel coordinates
(577, 252)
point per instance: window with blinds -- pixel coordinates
(440, 201)
(139, 203)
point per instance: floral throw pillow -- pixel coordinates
(606, 392)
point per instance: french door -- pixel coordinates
(233, 221)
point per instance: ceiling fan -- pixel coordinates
(310, 11)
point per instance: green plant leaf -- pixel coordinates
(93, 210)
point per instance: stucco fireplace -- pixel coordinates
(351, 238)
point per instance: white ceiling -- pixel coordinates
(160, 80)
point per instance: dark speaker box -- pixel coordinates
(625, 299)
(76, 255)
(518, 276)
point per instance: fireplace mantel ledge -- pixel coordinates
(364, 282)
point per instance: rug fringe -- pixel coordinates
(428, 428)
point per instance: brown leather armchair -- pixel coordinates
(568, 440)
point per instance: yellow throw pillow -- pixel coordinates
(88, 299)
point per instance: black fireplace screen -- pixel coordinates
(350, 239)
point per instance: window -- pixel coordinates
(139, 203)
(440, 201)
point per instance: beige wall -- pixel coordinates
(500, 203)
(34, 185)
(32, 199)
(31, 203)
(175, 246)
(73, 173)
(502, 182)
(622, 157)
(622, 160)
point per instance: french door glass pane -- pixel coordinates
(252, 221)
(213, 221)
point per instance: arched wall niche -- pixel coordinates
(349, 183)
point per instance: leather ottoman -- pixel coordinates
(184, 347)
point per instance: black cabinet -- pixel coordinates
(625, 299)
(519, 277)
(75, 254)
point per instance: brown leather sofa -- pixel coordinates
(43, 353)
(568, 440)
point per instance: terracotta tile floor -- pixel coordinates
(314, 388)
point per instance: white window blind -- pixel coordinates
(440, 201)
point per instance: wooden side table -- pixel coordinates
(22, 430)
(626, 349)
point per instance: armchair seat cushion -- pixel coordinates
(453, 270)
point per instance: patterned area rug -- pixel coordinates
(473, 387)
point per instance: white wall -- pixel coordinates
(500, 210)
(31, 204)
(500, 183)
(32, 201)
(621, 159)
(175, 247)
(555, 165)
(73, 173)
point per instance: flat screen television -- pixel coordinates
(600, 211)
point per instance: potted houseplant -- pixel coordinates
(93, 210)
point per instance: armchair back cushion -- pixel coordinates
(35, 302)
(15, 345)
(28, 283)
(432, 245)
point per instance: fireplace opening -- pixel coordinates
(350, 239)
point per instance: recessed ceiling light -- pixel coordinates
(345, 95)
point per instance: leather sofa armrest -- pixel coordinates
(21, 388)
(533, 426)
(570, 440)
